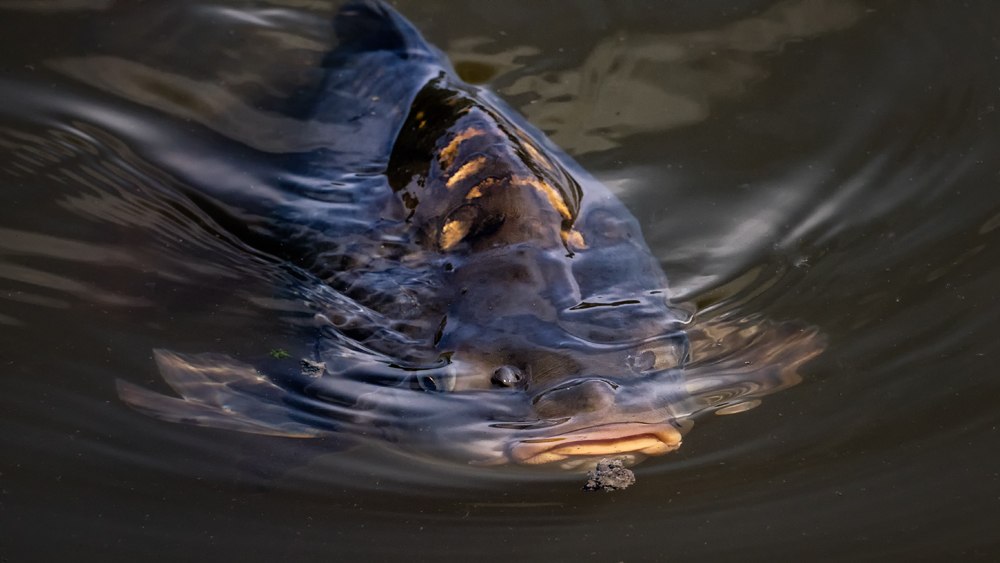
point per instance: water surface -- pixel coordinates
(829, 161)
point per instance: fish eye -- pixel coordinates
(438, 381)
(506, 376)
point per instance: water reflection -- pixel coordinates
(843, 175)
(631, 84)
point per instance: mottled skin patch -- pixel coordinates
(448, 153)
(554, 197)
(468, 169)
(575, 240)
(454, 231)
(478, 189)
(483, 160)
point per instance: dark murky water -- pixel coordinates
(832, 161)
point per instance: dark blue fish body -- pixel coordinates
(477, 294)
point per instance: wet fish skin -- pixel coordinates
(469, 244)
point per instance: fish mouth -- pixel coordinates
(598, 441)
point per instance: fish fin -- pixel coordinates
(736, 362)
(217, 392)
(374, 26)
(373, 75)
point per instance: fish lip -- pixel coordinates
(603, 440)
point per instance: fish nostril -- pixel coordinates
(579, 397)
(506, 376)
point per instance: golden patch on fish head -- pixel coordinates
(453, 232)
(479, 190)
(554, 198)
(467, 169)
(458, 224)
(575, 240)
(535, 155)
(450, 151)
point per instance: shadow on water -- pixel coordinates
(830, 162)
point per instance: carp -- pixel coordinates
(477, 295)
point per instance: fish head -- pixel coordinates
(580, 401)
(549, 297)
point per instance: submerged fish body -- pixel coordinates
(478, 296)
